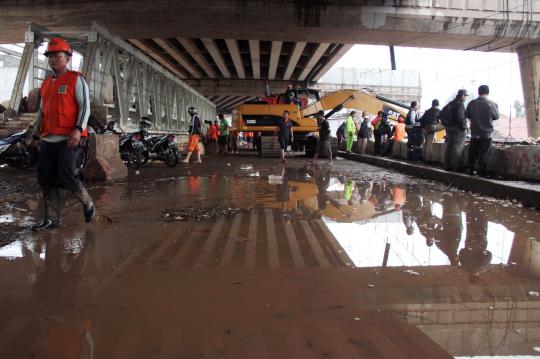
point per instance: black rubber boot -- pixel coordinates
(89, 211)
(51, 208)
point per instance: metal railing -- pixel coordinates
(140, 86)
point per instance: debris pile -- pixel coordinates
(533, 141)
(198, 214)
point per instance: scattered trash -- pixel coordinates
(198, 214)
(7, 218)
(411, 272)
(137, 172)
(356, 318)
(534, 294)
(254, 174)
(371, 285)
(246, 167)
(228, 164)
(491, 307)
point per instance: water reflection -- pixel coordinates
(53, 267)
(55, 283)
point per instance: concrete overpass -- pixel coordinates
(230, 50)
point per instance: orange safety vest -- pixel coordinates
(399, 134)
(59, 109)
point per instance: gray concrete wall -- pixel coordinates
(516, 161)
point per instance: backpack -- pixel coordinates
(446, 115)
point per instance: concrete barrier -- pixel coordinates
(523, 161)
(104, 163)
(516, 161)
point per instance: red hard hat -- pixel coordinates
(58, 45)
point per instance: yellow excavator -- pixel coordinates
(263, 115)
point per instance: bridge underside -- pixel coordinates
(229, 71)
(288, 40)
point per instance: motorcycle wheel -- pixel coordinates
(133, 159)
(171, 158)
(145, 157)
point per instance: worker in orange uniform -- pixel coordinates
(194, 133)
(398, 135)
(60, 124)
(213, 132)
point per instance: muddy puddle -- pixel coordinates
(275, 263)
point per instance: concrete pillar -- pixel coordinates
(529, 64)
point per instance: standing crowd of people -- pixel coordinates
(419, 131)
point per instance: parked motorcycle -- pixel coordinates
(162, 148)
(132, 149)
(15, 150)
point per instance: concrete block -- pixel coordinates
(497, 160)
(403, 150)
(441, 148)
(523, 161)
(370, 147)
(396, 148)
(104, 163)
(437, 152)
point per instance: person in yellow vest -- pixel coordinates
(350, 130)
(61, 121)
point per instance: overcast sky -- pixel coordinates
(443, 72)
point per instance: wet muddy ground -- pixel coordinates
(243, 257)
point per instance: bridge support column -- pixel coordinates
(529, 64)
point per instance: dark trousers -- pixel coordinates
(224, 143)
(377, 147)
(57, 166)
(478, 151)
(455, 143)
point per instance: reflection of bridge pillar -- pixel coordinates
(529, 64)
(526, 254)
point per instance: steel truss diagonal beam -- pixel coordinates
(120, 74)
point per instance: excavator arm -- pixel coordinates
(365, 100)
